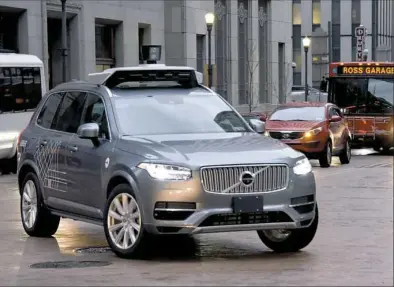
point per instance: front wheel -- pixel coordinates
(289, 240)
(325, 158)
(123, 223)
(346, 154)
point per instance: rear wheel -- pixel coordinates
(36, 218)
(346, 154)
(290, 240)
(325, 158)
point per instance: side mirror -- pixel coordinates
(257, 125)
(263, 117)
(89, 131)
(335, 119)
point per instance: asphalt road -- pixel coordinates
(353, 245)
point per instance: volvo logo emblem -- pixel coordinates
(247, 178)
(285, 136)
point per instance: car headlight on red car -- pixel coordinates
(313, 132)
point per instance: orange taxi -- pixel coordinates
(318, 130)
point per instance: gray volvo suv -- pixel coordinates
(149, 151)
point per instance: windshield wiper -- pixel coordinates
(299, 120)
(277, 120)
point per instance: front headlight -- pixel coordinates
(267, 134)
(166, 172)
(313, 132)
(302, 167)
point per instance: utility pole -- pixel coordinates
(64, 40)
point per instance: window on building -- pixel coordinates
(297, 19)
(243, 51)
(297, 58)
(263, 51)
(356, 21)
(105, 46)
(297, 41)
(356, 11)
(8, 30)
(336, 31)
(316, 10)
(200, 52)
(336, 11)
(144, 38)
(222, 71)
(141, 32)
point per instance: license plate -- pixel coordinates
(246, 204)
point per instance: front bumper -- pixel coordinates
(185, 208)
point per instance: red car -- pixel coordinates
(317, 129)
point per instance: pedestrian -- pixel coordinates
(323, 84)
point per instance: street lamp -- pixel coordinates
(209, 19)
(306, 42)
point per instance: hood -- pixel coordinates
(196, 150)
(291, 125)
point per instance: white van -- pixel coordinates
(22, 85)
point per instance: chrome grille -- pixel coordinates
(226, 179)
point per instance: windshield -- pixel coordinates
(298, 114)
(363, 95)
(152, 114)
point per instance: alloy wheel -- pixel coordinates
(124, 221)
(277, 235)
(329, 153)
(348, 150)
(29, 204)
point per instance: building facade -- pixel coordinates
(251, 40)
(320, 18)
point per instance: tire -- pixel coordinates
(9, 165)
(295, 241)
(376, 148)
(325, 158)
(386, 151)
(139, 247)
(346, 154)
(43, 223)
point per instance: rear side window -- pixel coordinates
(47, 114)
(70, 112)
(20, 89)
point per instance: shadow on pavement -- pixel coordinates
(164, 249)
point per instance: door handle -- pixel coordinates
(73, 148)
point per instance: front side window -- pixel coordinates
(70, 112)
(298, 114)
(94, 112)
(176, 113)
(363, 95)
(47, 114)
(20, 89)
